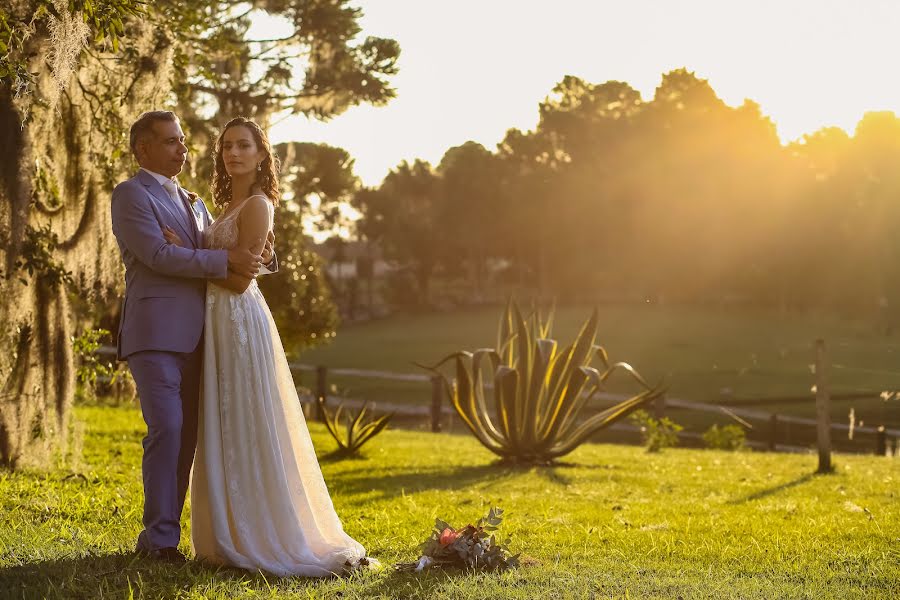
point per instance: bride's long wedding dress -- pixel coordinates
(258, 499)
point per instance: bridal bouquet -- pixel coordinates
(473, 546)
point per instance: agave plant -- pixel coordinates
(537, 390)
(359, 430)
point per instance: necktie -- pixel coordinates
(172, 188)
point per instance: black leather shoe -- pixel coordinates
(171, 555)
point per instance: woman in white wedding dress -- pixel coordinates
(258, 499)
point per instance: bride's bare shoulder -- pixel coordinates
(258, 200)
(258, 204)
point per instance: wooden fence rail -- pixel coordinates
(773, 423)
(438, 409)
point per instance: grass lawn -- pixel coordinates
(611, 522)
(701, 351)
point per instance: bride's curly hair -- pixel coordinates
(266, 176)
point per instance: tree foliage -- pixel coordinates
(73, 76)
(314, 176)
(675, 198)
(405, 216)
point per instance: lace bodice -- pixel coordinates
(224, 232)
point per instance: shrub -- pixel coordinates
(728, 437)
(91, 372)
(656, 434)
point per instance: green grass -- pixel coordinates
(611, 522)
(700, 351)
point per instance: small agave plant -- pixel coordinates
(538, 389)
(358, 429)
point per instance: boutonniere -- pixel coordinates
(193, 200)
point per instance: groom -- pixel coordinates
(161, 328)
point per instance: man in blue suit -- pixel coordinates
(161, 327)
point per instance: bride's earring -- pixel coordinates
(259, 167)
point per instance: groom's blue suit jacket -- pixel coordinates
(165, 285)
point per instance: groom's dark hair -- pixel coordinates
(144, 125)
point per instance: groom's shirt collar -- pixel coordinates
(160, 178)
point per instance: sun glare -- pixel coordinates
(470, 70)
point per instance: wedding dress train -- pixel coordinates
(258, 499)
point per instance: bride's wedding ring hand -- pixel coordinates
(269, 249)
(171, 236)
(243, 262)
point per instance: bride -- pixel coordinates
(258, 499)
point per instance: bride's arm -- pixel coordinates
(233, 282)
(253, 228)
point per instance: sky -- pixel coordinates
(472, 69)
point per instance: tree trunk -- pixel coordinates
(59, 160)
(36, 365)
(423, 278)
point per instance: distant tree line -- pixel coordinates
(680, 198)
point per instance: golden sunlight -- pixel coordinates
(471, 70)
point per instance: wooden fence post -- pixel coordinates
(321, 391)
(437, 398)
(823, 408)
(880, 441)
(773, 431)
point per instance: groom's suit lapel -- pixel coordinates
(163, 199)
(193, 214)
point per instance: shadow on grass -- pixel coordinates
(434, 582)
(339, 455)
(396, 482)
(773, 490)
(553, 475)
(109, 576)
(126, 576)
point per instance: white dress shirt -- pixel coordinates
(171, 187)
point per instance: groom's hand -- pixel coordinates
(243, 262)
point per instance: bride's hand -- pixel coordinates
(269, 249)
(172, 237)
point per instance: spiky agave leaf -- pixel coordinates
(504, 424)
(538, 390)
(504, 332)
(370, 430)
(465, 403)
(332, 423)
(523, 366)
(353, 426)
(490, 428)
(578, 355)
(561, 406)
(507, 383)
(545, 353)
(602, 420)
(567, 382)
(547, 325)
(358, 432)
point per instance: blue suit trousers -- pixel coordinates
(168, 385)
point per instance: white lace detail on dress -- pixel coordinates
(258, 498)
(239, 319)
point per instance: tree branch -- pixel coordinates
(274, 40)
